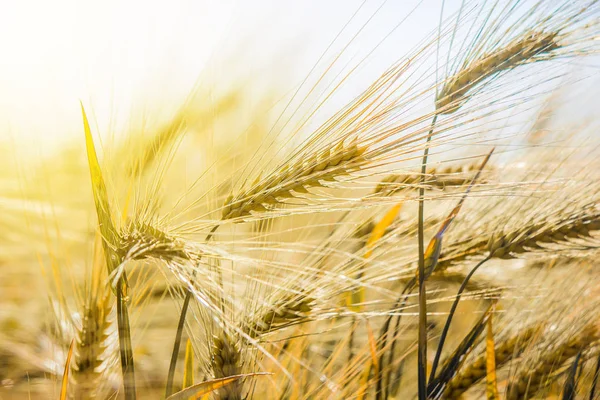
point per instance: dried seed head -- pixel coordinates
(90, 350)
(440, 178)
(291, 309)
(297, 177)
(532, 237)
(142, 240)
(225, 361)
(530, 47)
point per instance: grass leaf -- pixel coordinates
(207, 387)
(188, 366)
(110, 237)
(65, 378)
(105, 220)
(490, 364)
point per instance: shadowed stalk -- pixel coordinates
(125, 343)
(440, 348)
(180, 325)
(384, 335)
(570, 387)
(422, 346)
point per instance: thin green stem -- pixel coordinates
(180, 326)
(384, 336)
(422, 342)
(440, 348)
(125, 348)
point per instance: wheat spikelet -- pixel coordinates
(530, 47)
(441, 178)
(534, 236)
(225, 361)
(289, 310)
(476, 370)
(142, 240)
(296, 177)
(91, 346)
(529, 382)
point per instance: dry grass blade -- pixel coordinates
(355, 298)
(207, 387)
(188, 365)
(110, 237)
(491, 390)
(105, 220)
(65, 378)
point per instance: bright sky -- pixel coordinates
(120, 57)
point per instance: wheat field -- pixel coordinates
(411, 211)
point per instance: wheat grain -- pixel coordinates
(142, 240)
(534, 237)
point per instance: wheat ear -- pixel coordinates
(142, 240)
(225, 362)
(295, 177)
(440, 178)
(529, 382)
(532, 237)
(91, 346)
(291, 309)
(529, 47)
